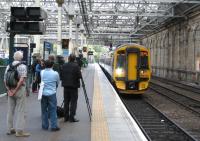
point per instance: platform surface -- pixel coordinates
(110, 122)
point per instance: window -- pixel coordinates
(144, 62)
(120, 61)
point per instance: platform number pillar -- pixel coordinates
(37, 37)
(59, 47)
(70, 27)
(71, 13)
(85, 40)
(11, 47)
(82, 35)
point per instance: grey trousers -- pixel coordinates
(16, 104)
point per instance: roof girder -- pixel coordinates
(104, 17)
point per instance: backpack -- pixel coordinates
(12, 76)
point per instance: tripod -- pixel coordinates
(86, 99)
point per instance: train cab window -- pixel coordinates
(144, 60)
(120, 61)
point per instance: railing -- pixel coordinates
(177, 74)
(2, 87)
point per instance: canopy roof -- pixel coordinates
(105, 21)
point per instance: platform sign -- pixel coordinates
(65, 52)
(46, 55)
(2, 54)
(27, 20)
(48, 46)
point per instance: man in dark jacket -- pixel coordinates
(71, 75)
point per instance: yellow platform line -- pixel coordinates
(99, 127)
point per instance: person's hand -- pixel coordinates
(11, 92)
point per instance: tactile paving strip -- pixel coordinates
(99, 127)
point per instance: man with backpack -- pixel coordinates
(14, 79)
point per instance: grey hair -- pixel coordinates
(18, 56)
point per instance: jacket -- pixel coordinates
(71, 75)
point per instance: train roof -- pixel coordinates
(131, 45)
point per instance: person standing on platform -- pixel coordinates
(49, 101)
(79, 60)
(39, 67)
(70, 76)
(55, 65)
(34, 83)
(16, 97)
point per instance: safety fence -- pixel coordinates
(2, 86)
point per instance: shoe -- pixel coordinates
(11, 131)
(73, 120)
(22, 134)
(35, 91)
(44, 128)
(55, 129)
(66, 119)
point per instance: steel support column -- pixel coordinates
(11, 47)
(37, 37)
(70, 35)
(59, 47)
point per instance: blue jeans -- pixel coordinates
(48, 107)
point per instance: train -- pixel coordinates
(128, 67)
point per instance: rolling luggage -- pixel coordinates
(60, 110)
(34, 86)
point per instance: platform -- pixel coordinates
(110, 122)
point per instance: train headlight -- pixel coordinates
(143, 73)
(119, 71)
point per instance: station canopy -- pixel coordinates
(107, 21)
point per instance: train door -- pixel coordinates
(132, 64)
(120, 70)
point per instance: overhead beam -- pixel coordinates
(133, 14)
(145, 2)
(116, 1)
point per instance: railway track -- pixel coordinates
(154, 123)
(178, 84)
(185, 101)
(181, 99)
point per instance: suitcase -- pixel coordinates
(34, 86)
(60, 111)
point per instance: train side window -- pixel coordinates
(120, 61)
